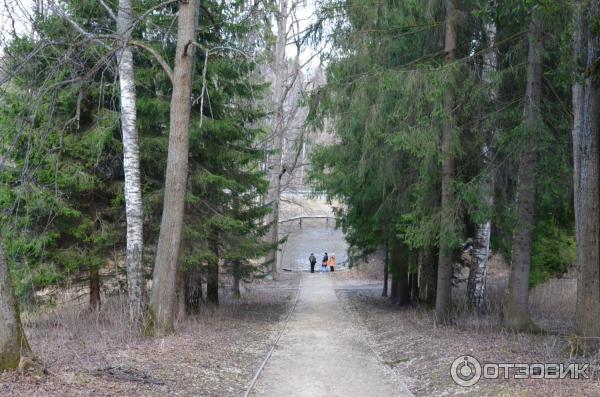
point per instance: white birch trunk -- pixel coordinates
(131, 166)
(481, 244)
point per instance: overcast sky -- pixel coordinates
(15, 17)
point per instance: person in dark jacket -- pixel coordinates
(313, 261)
(324, 263)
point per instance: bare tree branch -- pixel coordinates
(108, 9)
(78, 28)
(156, 56)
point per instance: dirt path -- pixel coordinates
(322, 352)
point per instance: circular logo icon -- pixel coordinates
(465, 371)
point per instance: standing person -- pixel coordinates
(324, 263)
(332, 262)
(313, 261)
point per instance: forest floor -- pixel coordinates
(421, 353)
(215, 353)
(342, 333)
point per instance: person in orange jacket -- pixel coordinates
(332, 262)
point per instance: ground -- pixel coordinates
(323, 352)
(333, 334)
(342, 338)
(421, 353)
(213, 354)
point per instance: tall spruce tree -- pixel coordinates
(62, 198)
(517, 311)
(59, 198)
(388, 74)
(586, 130)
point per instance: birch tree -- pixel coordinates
(481, 243)
(517, 308)
(131, 164)
(586, 127)
(163, 300)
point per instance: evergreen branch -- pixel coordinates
(79, 29)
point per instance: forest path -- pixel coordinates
(322, 351)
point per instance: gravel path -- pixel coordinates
(323, 353)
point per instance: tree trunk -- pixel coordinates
(94, 274)
(181, 308)
(165, 269)
(385, 272)
(517, 308)
(586, 129)
(274, 192)
(394, 291)
(414, 287)
(481, 244)
(131, 166)
(236, 280)
(427, 276)
(400, 287)
(444, 284)
(212, 274)
(212, 283)
(193, 290)
(13, 343)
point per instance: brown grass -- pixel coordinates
(421, 352)
(214, 353)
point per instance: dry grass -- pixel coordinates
(553, 305)
(214, 353)
(422, 353)
(77, 337)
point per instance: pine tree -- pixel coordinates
(225, 179)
